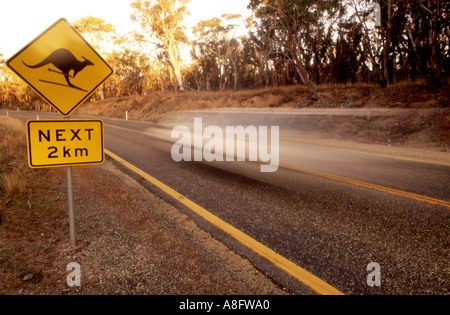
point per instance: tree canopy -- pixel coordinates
(162, 19)
(309, 42)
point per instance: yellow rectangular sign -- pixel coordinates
(56, 143)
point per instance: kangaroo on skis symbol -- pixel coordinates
(65, 61)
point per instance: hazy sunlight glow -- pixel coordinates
(22, 20)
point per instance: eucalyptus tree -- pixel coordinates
(162, 20)
(100, 34)
(299, 31)
(217, 51)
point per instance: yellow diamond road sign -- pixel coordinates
(54, 143)
(61, 66)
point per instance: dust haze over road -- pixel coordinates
(332, 207)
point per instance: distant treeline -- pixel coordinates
(308, 42)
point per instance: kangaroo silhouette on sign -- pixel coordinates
(65, 62)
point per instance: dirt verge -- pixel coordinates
(128, 242)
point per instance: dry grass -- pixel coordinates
(13, 126)
(12, 157)
(30, 214)
(13, 184)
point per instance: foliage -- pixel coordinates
(162, 20)
(310, 42)
(216, 54)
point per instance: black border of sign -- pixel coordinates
(67, 164)
(36, 90)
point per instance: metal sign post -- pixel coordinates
(70, 204)
(57, 143)
(70, 201)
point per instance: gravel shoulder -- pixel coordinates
(130, 241)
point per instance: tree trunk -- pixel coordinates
(176, 69)
(368, 46)
(179, 79)
(386, 43)
(434, 60)
(305, 80)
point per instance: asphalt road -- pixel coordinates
(331, 212)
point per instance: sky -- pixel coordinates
(23, 20)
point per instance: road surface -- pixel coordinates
(333, 213)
